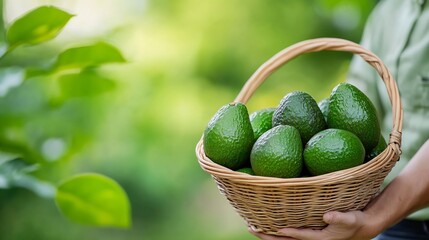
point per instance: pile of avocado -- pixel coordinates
(299, 137)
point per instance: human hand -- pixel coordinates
(354, 225)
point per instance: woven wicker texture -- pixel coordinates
(268, 204)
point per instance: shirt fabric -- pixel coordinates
(397, 31)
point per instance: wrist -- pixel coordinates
(378, 213)
(372, 225)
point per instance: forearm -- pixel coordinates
(408, 192)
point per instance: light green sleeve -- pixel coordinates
(361, 74)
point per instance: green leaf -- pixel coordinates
(16, 173)
(88, 56)
(7, 157)
(84, 84)
(39, 25)
(94, 199)
(31, 72)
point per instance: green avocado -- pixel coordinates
(351, 110)
(324, 107)
(300, 110)
(228, 137)
(332, 150)
(278, 153)
(261, 121)
(377, 150)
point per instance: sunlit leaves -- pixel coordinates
(88, 56)
(85, 83)
(93, 199)
(83, 80)
(37, 26)
(16, 173)
(29, 118)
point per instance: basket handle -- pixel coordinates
(331, 44)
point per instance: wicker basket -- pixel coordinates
(268, 204)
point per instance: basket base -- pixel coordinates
(276, 233)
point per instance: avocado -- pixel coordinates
(247, 170)
(228, 137)
(324, 107)
(300, 110)
(332, 150)
(278, 153)
(351, 110)
(261, 121)
(377, 150)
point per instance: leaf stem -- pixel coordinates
(9, 49)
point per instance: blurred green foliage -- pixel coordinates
(88, 199)
(186, 58)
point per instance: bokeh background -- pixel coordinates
(185, 59)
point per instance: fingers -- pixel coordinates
(302, 234)
(269, 237)
(341, 226)
(339, 218)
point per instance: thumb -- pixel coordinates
(340, 218)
